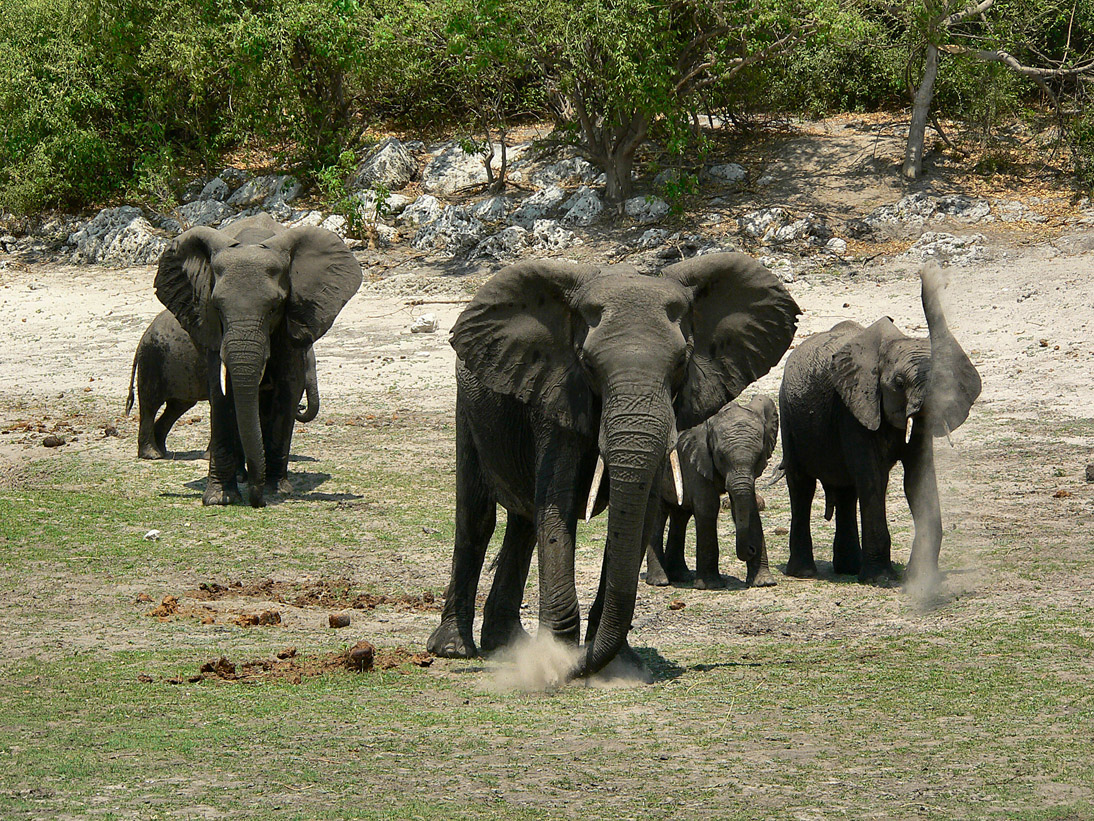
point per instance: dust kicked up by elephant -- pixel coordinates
(564, 366)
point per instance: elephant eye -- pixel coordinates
(899, 381)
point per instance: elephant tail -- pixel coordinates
(829, 507)
(132, 378)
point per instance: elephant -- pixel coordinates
(853, 402)
(168, 369)
(724, 454)
(566, 372)
(254, 298)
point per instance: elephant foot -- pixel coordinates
(255, 496)
(709, 581)
(500, 635)
(656, 576)
(882, 574)
(627, 666)
(760, 578)
(282, 487)
(801, 568)
(151, 452)
(661, 577)
(921, 577)
(218, 494)
(846, 565)
(448, 642)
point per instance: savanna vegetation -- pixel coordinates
(105, 98)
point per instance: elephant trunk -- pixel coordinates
(746, 516)
(954, 381)
(311, 389)
(244, 355)
(637, 427)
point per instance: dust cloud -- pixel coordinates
(544, 663)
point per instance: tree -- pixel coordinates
(1043, 42)
(615, 66)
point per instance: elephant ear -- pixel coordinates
(857, 371)
(517, 337)
(184, 281)
(742, 319)
(323, 275)
(694, 447)
(771, 425)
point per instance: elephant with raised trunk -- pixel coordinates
(854, 401)
(169, 372)
(566, 371)
(254, 298)
(723, 455)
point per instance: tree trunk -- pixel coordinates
(921, 107)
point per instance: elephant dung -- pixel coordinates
(338, 620)
(359, 658)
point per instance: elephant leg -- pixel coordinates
(871, 487)
(675, 565)
(501, 614)
(801, 490)
(172, 412)
(656, 574)
(759, 573)
(707, 576)
(285, 371)
(846, 551)
(476, 515)
(921, 489)
(556, 529)
(224, 448)
(148, 443)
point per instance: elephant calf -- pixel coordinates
(169, 372)
(853, 402)
(724, 454)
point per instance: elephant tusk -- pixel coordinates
(908, 431)
(598, 475)
(223, 379)
(677, 477)
(946, 428)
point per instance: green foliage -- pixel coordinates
(332, 184)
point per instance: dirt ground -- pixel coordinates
(1012, 484)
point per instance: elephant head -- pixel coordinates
(618, 357)
(734, 446)
(235, 290)
(883, 375)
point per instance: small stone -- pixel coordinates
(425, 324)
(677, 605)
(53, 441)
(1061, 494)
(781, 531)
(287, 653)
(152, 535)
(1090, 472)
(338, 620)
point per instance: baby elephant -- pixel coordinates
(724, 454)
(856, 400)
(169, 370)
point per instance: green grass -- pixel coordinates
(821, 699)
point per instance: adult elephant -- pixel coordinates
(854, 401)
(565, 369)
(169, 372)
(253, 298)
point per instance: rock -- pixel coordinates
(538, 206)
(506, 244)
(583, 208)
(452, 232)
(645, 210)
(764, 223)
(452, 170)
(730, 173)
(1090, 472)
(338, 620)
(779, 266)
(335, 223)
(946, 248)
(810, 228)
(152, 535)
(233, 176)
(667, 177)
(216, 189)
(389, 165)
(549, 235)
(117, 236)
(836, 246)
(491, 209)
(52, 441)
(267, 190)
(425, 324)
(307, 218)
(652, 237)
(566, 169)
(962, 208)
(765, 180)
(424, 209)
(857, 228)
(1015, 211)
(390, 206)
(203, 212)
